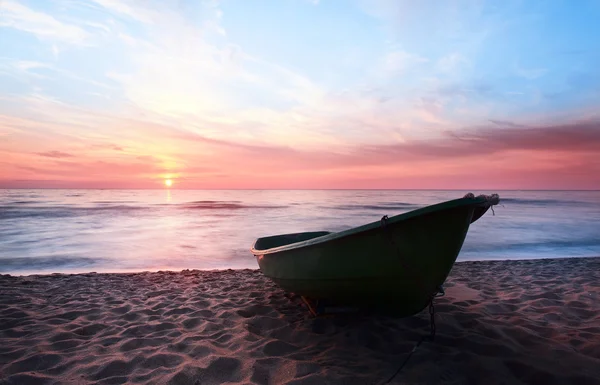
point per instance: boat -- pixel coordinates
(396, 264)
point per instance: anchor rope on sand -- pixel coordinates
(429, 337)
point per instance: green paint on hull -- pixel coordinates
(396, 267)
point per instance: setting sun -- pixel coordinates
(168, 182)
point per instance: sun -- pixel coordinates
(168, 182)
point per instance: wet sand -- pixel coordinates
(500, 322)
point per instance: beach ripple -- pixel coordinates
(501, 322)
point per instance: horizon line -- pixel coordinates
(285, 189)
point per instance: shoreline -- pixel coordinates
(510, 321)
(137, 271)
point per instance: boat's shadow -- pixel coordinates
(470, 345)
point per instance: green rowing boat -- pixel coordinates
(397, 264)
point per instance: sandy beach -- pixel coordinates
(500, 322)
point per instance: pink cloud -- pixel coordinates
(55, 154)
(498, 157)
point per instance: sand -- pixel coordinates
(505, 322)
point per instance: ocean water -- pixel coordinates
(66, 231)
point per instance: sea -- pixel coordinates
(72, 231)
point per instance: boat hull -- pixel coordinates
(394, 265)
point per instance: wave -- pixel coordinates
(24, 195)
(544, 202)
(111, 202)
(381, 206)
(590, 242)
(224, 205)
(11, 212)
(45, 263)
(23, 202)
(14, 211)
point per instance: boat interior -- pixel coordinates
(286, 239)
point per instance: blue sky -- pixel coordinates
(306, 75)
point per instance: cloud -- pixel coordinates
(26, 65)
(399, 61)
(452, 62)
(172, 68)
(573, 137)
(577, 137)
(23, 69)
(179, 70)
(42, 25)
(54, 154)
(465, 90)
(180, 92)
(108, 146)
(529, 73)
(175, 74)
(205, 162)
(506, 123)
(502, 158)
(31, 72)
(388, 9)
(55, 51)
(138, 11)
(128, 39)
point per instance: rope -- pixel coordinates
(430, 337)
(431, 320)
(405, 360)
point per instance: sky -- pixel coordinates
(286, 94)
